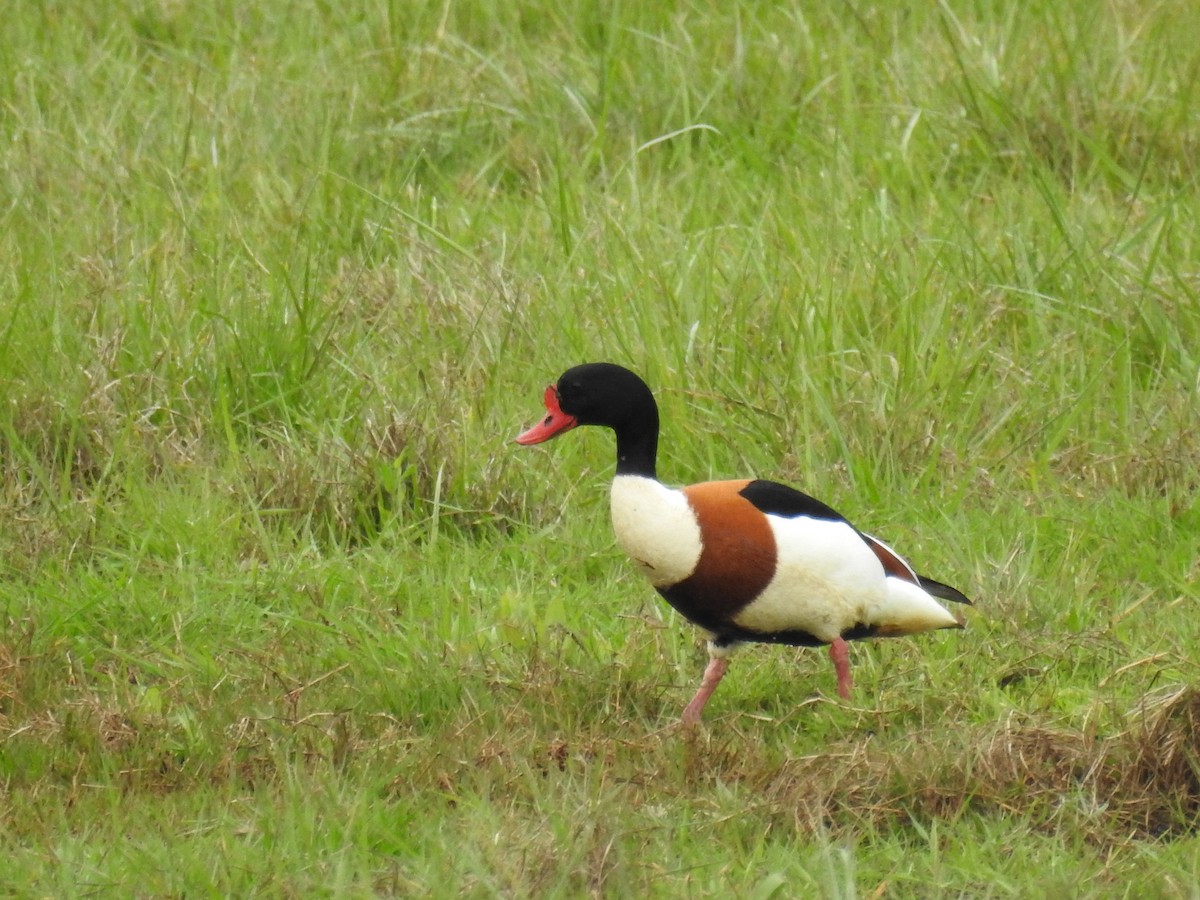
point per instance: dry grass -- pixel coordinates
(1143, 782)
(1140, 783)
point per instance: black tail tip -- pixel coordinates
(943, 591)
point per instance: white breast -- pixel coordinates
(655, 525)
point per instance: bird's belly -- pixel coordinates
(807, 605)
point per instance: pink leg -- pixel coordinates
(712, 677)
(839, 652)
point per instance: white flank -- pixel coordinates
(827, 580)
(655, 525)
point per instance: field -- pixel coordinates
(286, 613)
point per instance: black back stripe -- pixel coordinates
(775, 499)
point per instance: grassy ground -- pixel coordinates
(285, 613)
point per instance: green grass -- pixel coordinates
(286, 613)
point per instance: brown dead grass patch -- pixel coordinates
(1139, 783)
(1143, 782)
(1156, 774)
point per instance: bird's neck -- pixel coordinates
(637, 448)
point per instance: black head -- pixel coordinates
(605, 394)
(608, 395)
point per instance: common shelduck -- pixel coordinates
(744, 560)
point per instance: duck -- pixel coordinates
(745, 560)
